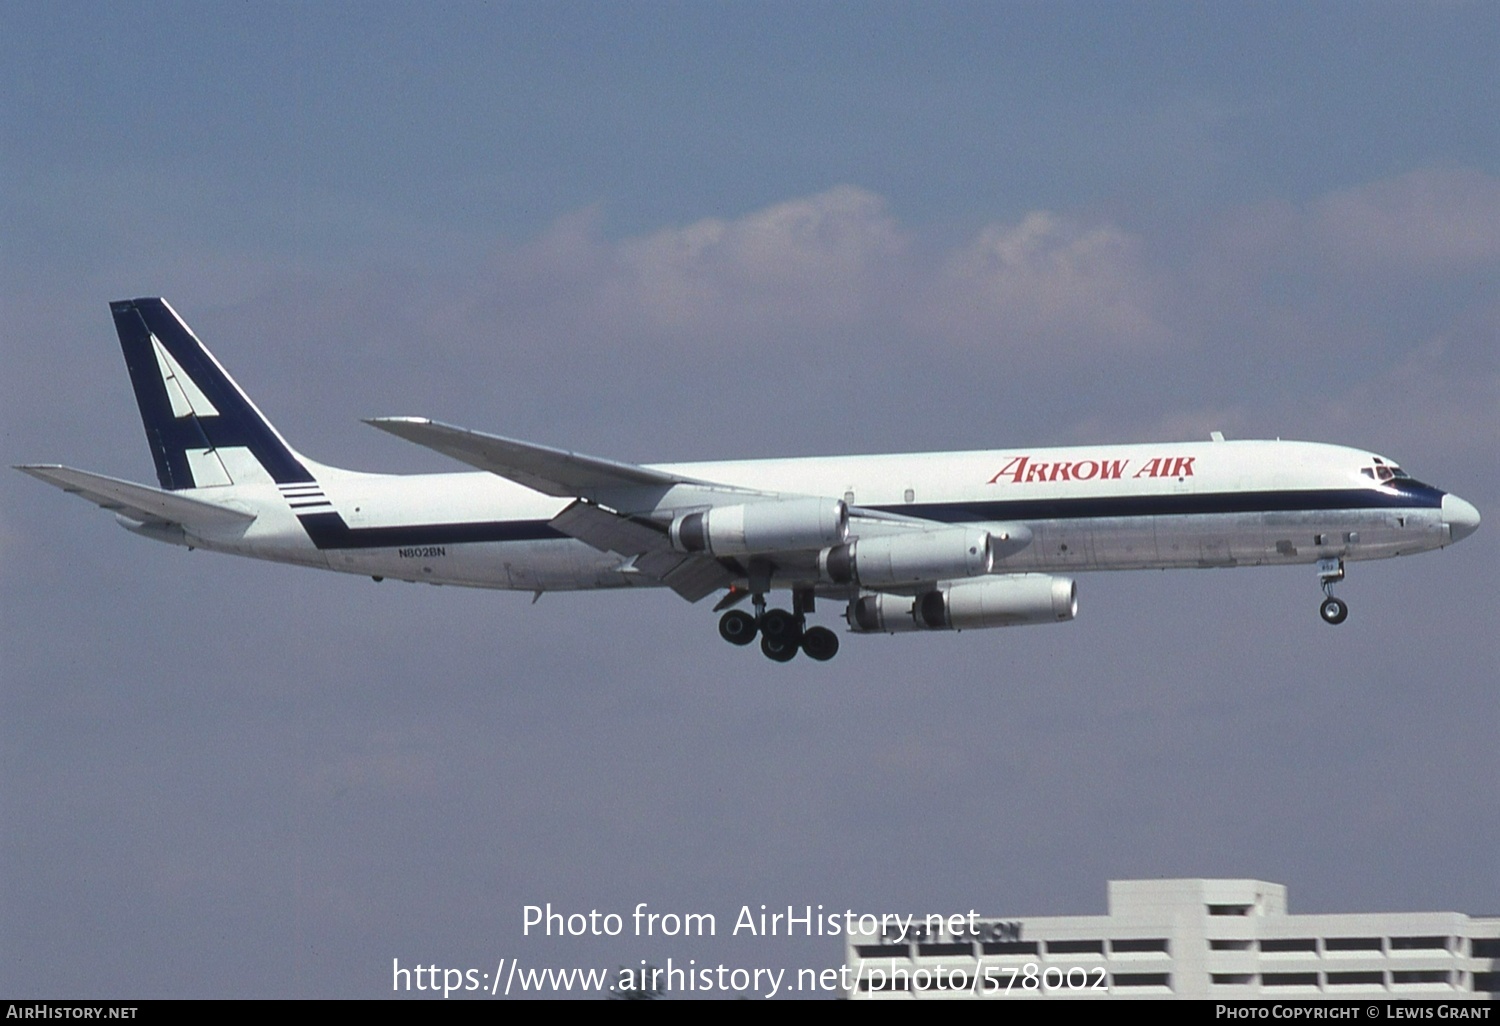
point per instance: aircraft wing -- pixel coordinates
(138, 502)
(598, 484)
(538, 467)
(691, 576)
(601, 486)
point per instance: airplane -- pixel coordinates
(914, 542)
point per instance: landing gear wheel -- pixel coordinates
(779, 649)
(1334, 610)
(737, 627)
(820, 643)
(779, 624)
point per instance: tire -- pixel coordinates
(779, 649)
(820, 643)
(778, 623)
(737, 627)
(1334, 610)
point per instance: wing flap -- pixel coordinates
(138, 502)
(697, 578)
(609, 532)
(693, 577)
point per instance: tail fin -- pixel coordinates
(202, 429)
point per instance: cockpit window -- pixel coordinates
(1386, 472)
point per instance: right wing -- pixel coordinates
(141, 503)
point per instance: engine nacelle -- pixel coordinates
(881, 614)
(911, 557)
(772, 526)
(968, 605)
(1000, 602)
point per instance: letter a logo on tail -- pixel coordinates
(202, 429)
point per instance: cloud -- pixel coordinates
(1424, 222)
(1439, 402)
(816, 260)
(1048, 280)
(839, 262)
(834, 301)
(1250, 323)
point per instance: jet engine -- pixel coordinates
(775, 525)
(911, 557)
(881, 613)
(1003, 602)
(969, 605)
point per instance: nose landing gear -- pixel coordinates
(1333, 610)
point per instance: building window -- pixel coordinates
(1232, 979)
(1138, 945)
(1010, 947)
(1229, 910)
(1421, 976)
(1142, 979)
(1485, 947)
(1288, 979)
(1351, 944)
(1229, 945)
(966, 949)
(1364, 979)
(1075, 947)
(1419, 943)
(1286, 944)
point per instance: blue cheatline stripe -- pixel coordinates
(1408, 496)
(329, 531)
(238, 424)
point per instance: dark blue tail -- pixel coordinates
(199, 424)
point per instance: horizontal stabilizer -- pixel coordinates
(538, 467)
(138, 502)
(691, 576)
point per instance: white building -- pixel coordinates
(1228, 939)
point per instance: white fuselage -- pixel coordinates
(1211, 504)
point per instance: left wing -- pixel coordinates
(608, 492)
(591, 480)
(572, 474)
(538, 467)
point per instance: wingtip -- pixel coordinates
(387, 423)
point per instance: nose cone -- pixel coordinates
(1461, 517)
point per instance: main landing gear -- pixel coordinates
(1330, 572)
(782, 634)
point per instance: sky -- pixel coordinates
(700, 231)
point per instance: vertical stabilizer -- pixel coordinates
(202, 429)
